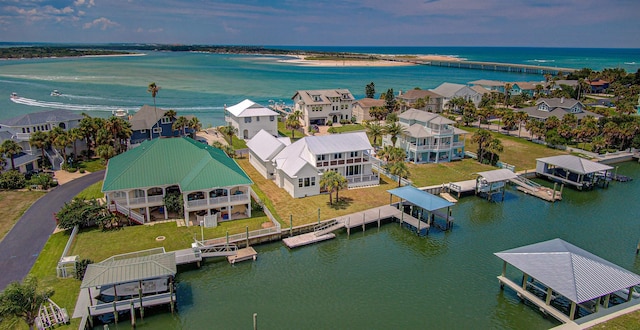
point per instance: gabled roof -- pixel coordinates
(115, 271)
(570, 270)
(414, 94)
(560, 102)
(369, 102)
(497, 175)
(39, 118)
(575, 164)
(420, 198)
(425, 117)
(450, 90)
(524, 85)
(161, 162)
(485, 82)
(557, 112)
(480, 90)
(266, 146)
(304, 151)
(248, 108)
(324, 94)
(146, 117)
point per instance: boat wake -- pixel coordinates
(67, 106)
(542, 61)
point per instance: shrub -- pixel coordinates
(329, 123)
(82, 171)
(173, 202)
(81, 268)
(43, 180)
(12, 179)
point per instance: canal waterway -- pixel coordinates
(389, 278)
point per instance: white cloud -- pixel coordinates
(103, 23)
(88, 4)
(228, 28)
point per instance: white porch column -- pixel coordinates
(127, 196)
(148, 214)
(186, 211)
(249, 204)
(164, 207)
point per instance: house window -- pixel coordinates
(165, 120)
(320, 157)
(354, 154)
(157, 130)
(272, 118)
(300, 181)
(306, 182)
(257, 118)
(337, 156)
(247, 119)
(143, 131)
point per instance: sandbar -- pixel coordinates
(383, 61)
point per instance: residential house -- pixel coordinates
(598, 85)
(319, 107)
(249, 118)
(21, 127)
(428, 137)
(151, 122)
(490, 85)
(557, 107)
(433, 101)
(523, 88)
(298, 167)
(451, 90)
(209, 182)
(263, 148)
(362, 107)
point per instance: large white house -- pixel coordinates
(428, 138)
(451, 90)
(249, 118)
(298, 167)
(319, 107)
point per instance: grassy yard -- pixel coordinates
(433, 174)
(93, 165)
(517, 151)
(94, 191)
(284, 131)
(347, 128)
(12, 205)
(239, 143)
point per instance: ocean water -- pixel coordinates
(201, 84)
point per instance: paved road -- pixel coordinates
(20, 248)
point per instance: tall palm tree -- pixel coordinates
(494, 147)
(171, 114)
(195, 125)
(228, 131)
(375, 131)
(507, 93)
(40, 140)
(293, 123)
(482, 138)
(394, 130)
(332, 181)
(180, 124)
(23, 300)
(522, 118)
(105, 152)
(11, 149)
(154, 89)
(399, 169)
(60, 139)
(75, 134)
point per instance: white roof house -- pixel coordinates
(249, 118)
(298, 167)
(451, 90)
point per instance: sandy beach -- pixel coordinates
(393, 60)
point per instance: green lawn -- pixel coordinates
(94, 191)
(284, 131)
(239, 143)
(347, 128)
(434, 174)
(93, 165)
(12, 205)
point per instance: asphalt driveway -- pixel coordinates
(22, 245)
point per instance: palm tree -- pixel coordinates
(385, 152)
(180, 124)
(507, 93)
(60, 139)
(195, 125)
(105, 152)
(494, 147)
(229, 150)
(89, 127)
(228, 131)
(293, 123)
(482, 138)
(75, 134)
(120, 131)
(394, 130)
(171, 114)
(154, 89)
(11, 149)
(375, 131)
(522, 118)
(40, 140)
(332, 180)
(23, 300)
(399, 169)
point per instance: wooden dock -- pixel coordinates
(188, 256)
(244, 254)
(524, 294)
(306, 239)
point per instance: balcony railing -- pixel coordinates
(23, 136)
(369, 178)
(218, 200)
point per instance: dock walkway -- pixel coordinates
(524, 294)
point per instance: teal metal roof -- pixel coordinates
(420, 198)
(160, 162)
(112, 271)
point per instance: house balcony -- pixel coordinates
(430, 147)
(458, 144)
(219, 201)
(141, 201)
(23, 136)
(356, 160)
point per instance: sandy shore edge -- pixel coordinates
(302, 60)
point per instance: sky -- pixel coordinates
(517, 23)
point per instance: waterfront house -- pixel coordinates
(208, 181)
(249, 118)
(557, 107)
(151, 122)
(490, 85)
(573, 170)
(20, 128)
(598, 85)
(263, 147)
(298, 167)
(428, 137)
(523, 88)
(451, 90)
(320, 107)
(432, 101)
(362, 108)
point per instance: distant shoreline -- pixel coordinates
(379, 61)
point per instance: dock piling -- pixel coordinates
(255, 321)
(132, 311)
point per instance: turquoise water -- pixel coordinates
(389, 278)
(201, 84)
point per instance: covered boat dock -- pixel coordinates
(575, 171)
(558, 276)
(127, 282)
(415, 202)
(489, 183)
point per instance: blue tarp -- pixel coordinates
(420, 198)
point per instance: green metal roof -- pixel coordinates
(115, 271)
(161, 162)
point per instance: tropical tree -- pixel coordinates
(394, 130)
(40, 140)
(229, 150)
(89, 127)
(171, 114)
(105, 152)
(494, 147)
(181, 124)
(154, 89)
(482, 138)
(400, 170)
(10, 148)
(507, 93)
(75, 134)
(536, 127)
(390, 100)
(588, 129)
(332, 181)
(420, 103)
(23, 300)
(469, 113)
(195, 125)
(379, 113)
(228, 131)
(370, 90)
(375, 131)
(522, 118)
(120, 131)
(292, 123)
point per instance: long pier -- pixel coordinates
(503, 67)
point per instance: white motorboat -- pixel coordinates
(14, 95)
(56, 93)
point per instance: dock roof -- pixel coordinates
(420, 198)
(502, 174)
(575, 164)
(569, 270)
(116, 271)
